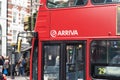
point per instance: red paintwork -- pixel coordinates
(90, 21)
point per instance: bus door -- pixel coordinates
(75, 61)
(64, 60)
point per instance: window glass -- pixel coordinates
(105, 58)
(75, 62)
(51, 62)
(65, 3)
(22, 18)
(14, 35)
(35, 62)
(15, 17)
(104, 51)
(105, 1)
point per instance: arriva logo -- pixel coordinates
(55, 33)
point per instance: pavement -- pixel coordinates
(18, 78)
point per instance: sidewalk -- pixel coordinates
(18, 78)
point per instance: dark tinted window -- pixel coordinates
(105, 1)
(51, 62)
(65, 3)
(35, 61)
(105, 58)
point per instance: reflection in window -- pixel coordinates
(51, 62)
(104, 51)
(65, 3)
(105, 1)
(99, 51)
(105, 59)
(74, 62)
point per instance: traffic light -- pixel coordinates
(27, 23)
(19, 45)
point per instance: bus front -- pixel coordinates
(77, 40)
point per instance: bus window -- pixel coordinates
(64, 61)
(98, 1)
(99, 51)
(105, 1)
(65, 3)
(105, 58)
(74, 62)
(51, 62)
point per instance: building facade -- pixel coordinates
(12, 13)
(17, 10)
(3, 27)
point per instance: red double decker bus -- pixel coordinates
(76, 40)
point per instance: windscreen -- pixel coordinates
(105, 59)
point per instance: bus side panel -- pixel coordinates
(43, 24)
(88, 21)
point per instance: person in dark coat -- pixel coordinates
(1, 60)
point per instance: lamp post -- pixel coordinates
(13, 46)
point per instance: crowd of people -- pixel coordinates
(19, 68)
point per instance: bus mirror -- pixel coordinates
(19, 45)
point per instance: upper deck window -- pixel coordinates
(105, 1)
(65, 3)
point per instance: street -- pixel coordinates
(18, 78)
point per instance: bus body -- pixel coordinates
(77, 40)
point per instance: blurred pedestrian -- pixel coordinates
(21, 66)
(6, 66)
(27, 66)
(1, 63)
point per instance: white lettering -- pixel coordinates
(67, 33)
(59, 33)
(54, 33)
